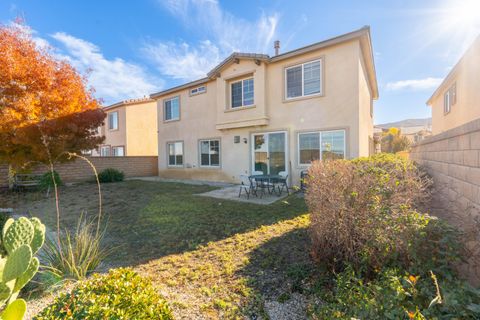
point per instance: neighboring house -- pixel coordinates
(130, 129)
(414, 130)
(254, 112)
(457, 100)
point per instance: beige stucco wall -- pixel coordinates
(116, 137)
(141, 126)
(137, 129)
(466, 75)
(341, 106)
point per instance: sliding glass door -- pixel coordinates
(269, 154)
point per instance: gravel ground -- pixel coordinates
(34, 306)
(292, 309)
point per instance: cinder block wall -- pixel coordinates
(452, 158)
(79, 170)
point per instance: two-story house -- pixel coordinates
(254, 112)
(130, 129)
(457, 100)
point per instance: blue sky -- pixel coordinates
(133, 48)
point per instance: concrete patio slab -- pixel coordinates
(192, 182)
(231, 193)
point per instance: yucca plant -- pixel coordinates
(76, 255)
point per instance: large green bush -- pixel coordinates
(120, 294)
(397, 294)
(110, 175)
(47, 182)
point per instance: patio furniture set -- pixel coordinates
(259, 184)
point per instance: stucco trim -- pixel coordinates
(263, 121)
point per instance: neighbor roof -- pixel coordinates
(452, 72)
(366, 45)
(128, 102)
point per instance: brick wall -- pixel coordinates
(80, 170)
(452, 158)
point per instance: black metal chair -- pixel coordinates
(283, 183)
(247, 186)
(303, 177)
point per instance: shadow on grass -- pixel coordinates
(148, 220)
(281, 268)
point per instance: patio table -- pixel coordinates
(267, 180)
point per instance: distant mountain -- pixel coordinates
(406, 123)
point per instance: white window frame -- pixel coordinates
(303, 80)
(118, 120)
(447, 102)
(210, 159)
(168, 155)
(198, 90)
(165, 108)
(243, 102)
(108, 148)
(320, 144)
(114, 153)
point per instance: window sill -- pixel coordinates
(110, 130)
(171, 120)
(210, 167)
(317, 95)
(175, 166)
(240, 108)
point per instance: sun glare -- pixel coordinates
(466, 13)
(461, 15)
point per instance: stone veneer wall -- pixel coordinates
(452, 158)
(80, 170)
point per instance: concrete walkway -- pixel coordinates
(231, 193)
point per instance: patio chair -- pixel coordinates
(247, 185)
(263, 185)
(283, 184)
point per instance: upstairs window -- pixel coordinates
(449, 98)
(113, 120)
(303, 80)
(171, 109)
(198, 90)
(242, 93)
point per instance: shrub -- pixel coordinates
(77, 255)
(46, 181)
(110, 175)
(361, 210)
(21, 239)
(120, 294)
(396, 294)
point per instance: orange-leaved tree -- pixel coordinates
(46, 108)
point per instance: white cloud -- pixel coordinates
(417, 84)
(113, 79)
(223, 33)
(181, 61)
